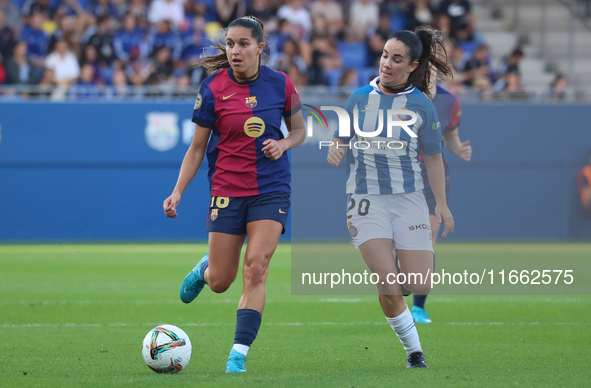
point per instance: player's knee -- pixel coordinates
(419, 289)
(219, 285)
(255, 272)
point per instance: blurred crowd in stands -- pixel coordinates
(76, 46)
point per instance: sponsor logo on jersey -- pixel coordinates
(420, 226)
(214, 214)
(162, 131)
(198, 102)
(436, 125)
(352, 230)
(254, 127)
(251, 102)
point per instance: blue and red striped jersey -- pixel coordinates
(450, 115)
(242, 116)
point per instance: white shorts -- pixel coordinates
(403, 218)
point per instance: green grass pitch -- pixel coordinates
(75, 315)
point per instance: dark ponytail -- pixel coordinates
(217, 62)
(422, 46)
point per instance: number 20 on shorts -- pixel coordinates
(220, 202)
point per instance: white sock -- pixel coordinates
(242, 349)
(406, 331)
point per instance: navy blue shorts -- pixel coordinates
(231, 214)
(431, 199)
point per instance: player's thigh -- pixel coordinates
(224, 256)
(263, 237)
(379, 257)
(368, 218)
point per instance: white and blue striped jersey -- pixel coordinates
(382, 164)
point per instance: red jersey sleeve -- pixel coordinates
(292, 99)
(456, 114)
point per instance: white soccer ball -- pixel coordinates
(167, 349)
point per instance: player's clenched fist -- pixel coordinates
(335, 154)
(273, 149)
(170, 205)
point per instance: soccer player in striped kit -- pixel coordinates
(387, 213)
(237, 119)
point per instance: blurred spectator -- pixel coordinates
(65, 31)
(290, 55)
(420, 12)
(42, 7)
(349, 79)
(63, 63)
(120, 84)
(261, 10)
(138, 9)
(129, 41)
(20, 70)
(229, 10)
(333, 13)
(477, 70)
(2, 71)
(557, 88)
(379, 37)
(161, 67)
(85, 86)
(90, 57)
(325, 57)
(510, 64)
(47, 84)
(164, 36)
(171, 10)
(102, 40)
(363, 14)
(6, 37)
(102, 8)
(194, 40)
(455, 15)
(295, 12)
(298, 78)
(509, 86)
(12, 16)
(36, 39)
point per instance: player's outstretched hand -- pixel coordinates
(170, 205)
(465, 152)
(273, 149)
(444, 215)
(335, 155)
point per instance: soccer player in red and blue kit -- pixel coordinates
(450, 115)
(237, 119)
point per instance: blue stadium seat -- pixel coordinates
(333, 76)
(353, 54)
(398, 22)
(367, 74)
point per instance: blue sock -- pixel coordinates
(202, 269)
(247, 326)
(419, 301)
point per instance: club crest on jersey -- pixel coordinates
(251, 102)
(352, 230)
(214, 214)
(403, 117)
(198, 102)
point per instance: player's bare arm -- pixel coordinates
(189, 168)
(455, 146)
(436, 176)
(273, 149)
(335, 154)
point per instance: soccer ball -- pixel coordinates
(166, 349)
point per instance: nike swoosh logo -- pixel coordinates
(281, 211)
(226, 97)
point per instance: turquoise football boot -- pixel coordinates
(236, 362)
(193, 283)
(419, 315)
